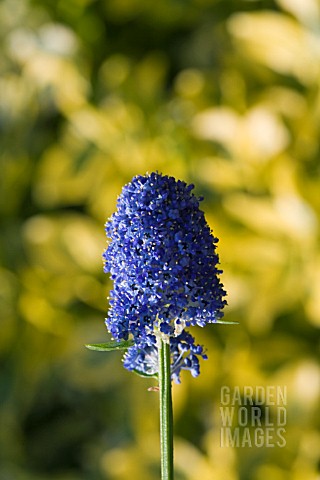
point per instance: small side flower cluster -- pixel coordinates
(184, 356)
(163, 262)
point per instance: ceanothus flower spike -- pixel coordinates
(163, 262)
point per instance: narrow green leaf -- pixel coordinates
(227, 323)
(145, 375)
(110, 346)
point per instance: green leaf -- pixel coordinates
(145, 375)
(227, 323)
(110, 346)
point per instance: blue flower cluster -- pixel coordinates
(184, 356)
(163, 262)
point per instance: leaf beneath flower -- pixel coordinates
(227, 323)
(145, 375)
(110, 346)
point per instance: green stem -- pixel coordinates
(166, 417)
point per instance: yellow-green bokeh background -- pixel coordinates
(222, 94)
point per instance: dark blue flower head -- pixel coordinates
(163, 262)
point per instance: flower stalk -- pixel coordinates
(166, 416)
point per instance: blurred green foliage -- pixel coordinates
(223, 94)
